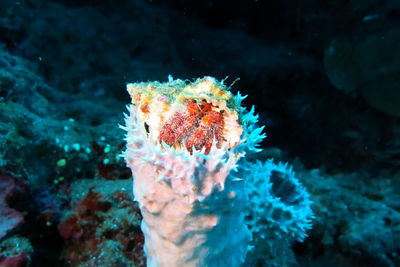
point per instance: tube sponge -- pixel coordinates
(278, 212)
(183, 140)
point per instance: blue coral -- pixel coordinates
(278, 213)
(252, 134)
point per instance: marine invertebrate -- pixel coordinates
(196, 127)
(183, 141)
(278, 212)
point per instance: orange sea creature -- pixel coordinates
(196, 127)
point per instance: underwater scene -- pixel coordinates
(211, 133)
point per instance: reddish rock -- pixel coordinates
(13, 261)
(9, 218)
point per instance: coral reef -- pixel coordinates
(15, 252)
(44, 141)
(63, 67)
(363, 219)
(102, 228)
(9, 218)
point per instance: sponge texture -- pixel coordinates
(278, 212)
(183, 141)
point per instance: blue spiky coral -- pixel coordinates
(278, 212)
(252, 134)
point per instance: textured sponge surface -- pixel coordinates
(278, 211)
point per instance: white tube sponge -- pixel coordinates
(183, 141)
